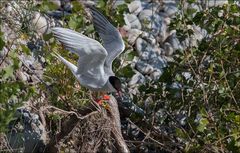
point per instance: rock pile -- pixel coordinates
(147, 27)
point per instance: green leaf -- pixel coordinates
(122, 8)
(102, 3)
(126, 71)
(47, 6)
(230, 1)
(8, 72)
(198, 17)
(25, 49)
(2, 43)
(191, 1)
(234, 8)
(202, 124)
(130, 55)
(237, 119)
(47, 37)
(128, 1)
(75, 22)
(89, 29)
(191, 11)
(77, 7)
(180, 133)
(178, 78)
(221, 74)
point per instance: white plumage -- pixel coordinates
(94, 68)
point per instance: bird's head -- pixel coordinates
(116, 83)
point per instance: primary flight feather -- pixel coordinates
(94, 68)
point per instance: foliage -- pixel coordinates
(13, 92)
(193, 107)
(198, 94)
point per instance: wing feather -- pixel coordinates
(111, 37)
(92, 56)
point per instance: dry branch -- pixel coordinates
(109, 122)
(116, 126)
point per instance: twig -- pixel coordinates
(232, 95)
(69, 112)
(159, 143)
(9, 48)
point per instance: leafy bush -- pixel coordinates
(193, 107)
(197, 97)
(13, 92)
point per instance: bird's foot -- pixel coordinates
(103, 101)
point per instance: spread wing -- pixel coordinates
(112, 40)
(92, 56)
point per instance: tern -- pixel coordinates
(94, 68)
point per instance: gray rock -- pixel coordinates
(199, 32)
(67, 6)
(27, 132)
(144, 67)
(163, 32)
(56, 2)
(135, 7)
(41, 23)
(220, 13)
(57, 14)
(145, 17)
(115, 4)
(155, 53)
(167, 20)
(149, 4)
(197, 7)
(185, 43)
(132, 34)
(141, 45)
(187, 75)
(132, 21)
(156, 75)
(168, 49)
(42, 59)
(151, 21)
(173, 40)
(21, 76)
(158, 63)
(3, 52)
(9, 34)
(145, 56)
(28, 60)
(144, 46)
(176, 85)
(34, 79)
(137, 78)
(170, 9)
(149, 38)
(198, 35)
(216, 3)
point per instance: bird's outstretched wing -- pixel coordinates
(91, 54)
(112, 40)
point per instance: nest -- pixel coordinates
(92, 134)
